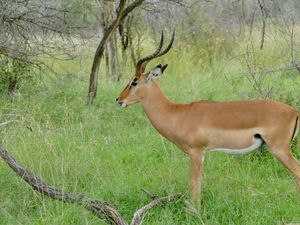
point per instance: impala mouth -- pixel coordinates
(122, 104)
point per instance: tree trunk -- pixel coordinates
(13, 80)
(12, 85)
(115, 66)
(125, 31)
(107, 62)
(104, 23)
(106, 37)
(113, 45)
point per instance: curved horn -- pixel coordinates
(141, 64)
(168, 47)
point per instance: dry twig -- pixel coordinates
(293, 51)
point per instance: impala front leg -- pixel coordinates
(196, 157)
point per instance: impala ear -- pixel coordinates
(156, 71)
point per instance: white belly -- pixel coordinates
(257, 143)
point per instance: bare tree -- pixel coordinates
(122, 13)
(28, 29)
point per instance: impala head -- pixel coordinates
(141, 84)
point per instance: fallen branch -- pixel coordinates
(101, 209)
(149, 194)
(6, 123)
(138, 215)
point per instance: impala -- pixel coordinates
(235, 127)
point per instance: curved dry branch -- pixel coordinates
(139, 214)
(101, 209)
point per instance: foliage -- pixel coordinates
(19, 70)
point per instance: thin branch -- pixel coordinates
(6, 123)
(253, 76)
(294, 62)
(264, 17)
(131, 7)
(149, 194)
(139, 214)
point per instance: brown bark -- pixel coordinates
(12, 85)
(115, 65)
(264, 18)
(18, 68)
(126, 39)
(104, 22)
(107, 62)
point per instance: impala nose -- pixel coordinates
(120, 102)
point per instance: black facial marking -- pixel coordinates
(133, 83)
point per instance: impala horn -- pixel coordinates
(142, 63)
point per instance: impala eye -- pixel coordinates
(133, 83)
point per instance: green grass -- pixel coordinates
(110, 153)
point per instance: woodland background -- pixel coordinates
(62, 64)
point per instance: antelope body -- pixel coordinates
(236, 127)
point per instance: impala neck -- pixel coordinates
(158, 109)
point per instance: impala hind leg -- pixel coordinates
(285, 156)
(196, 158)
